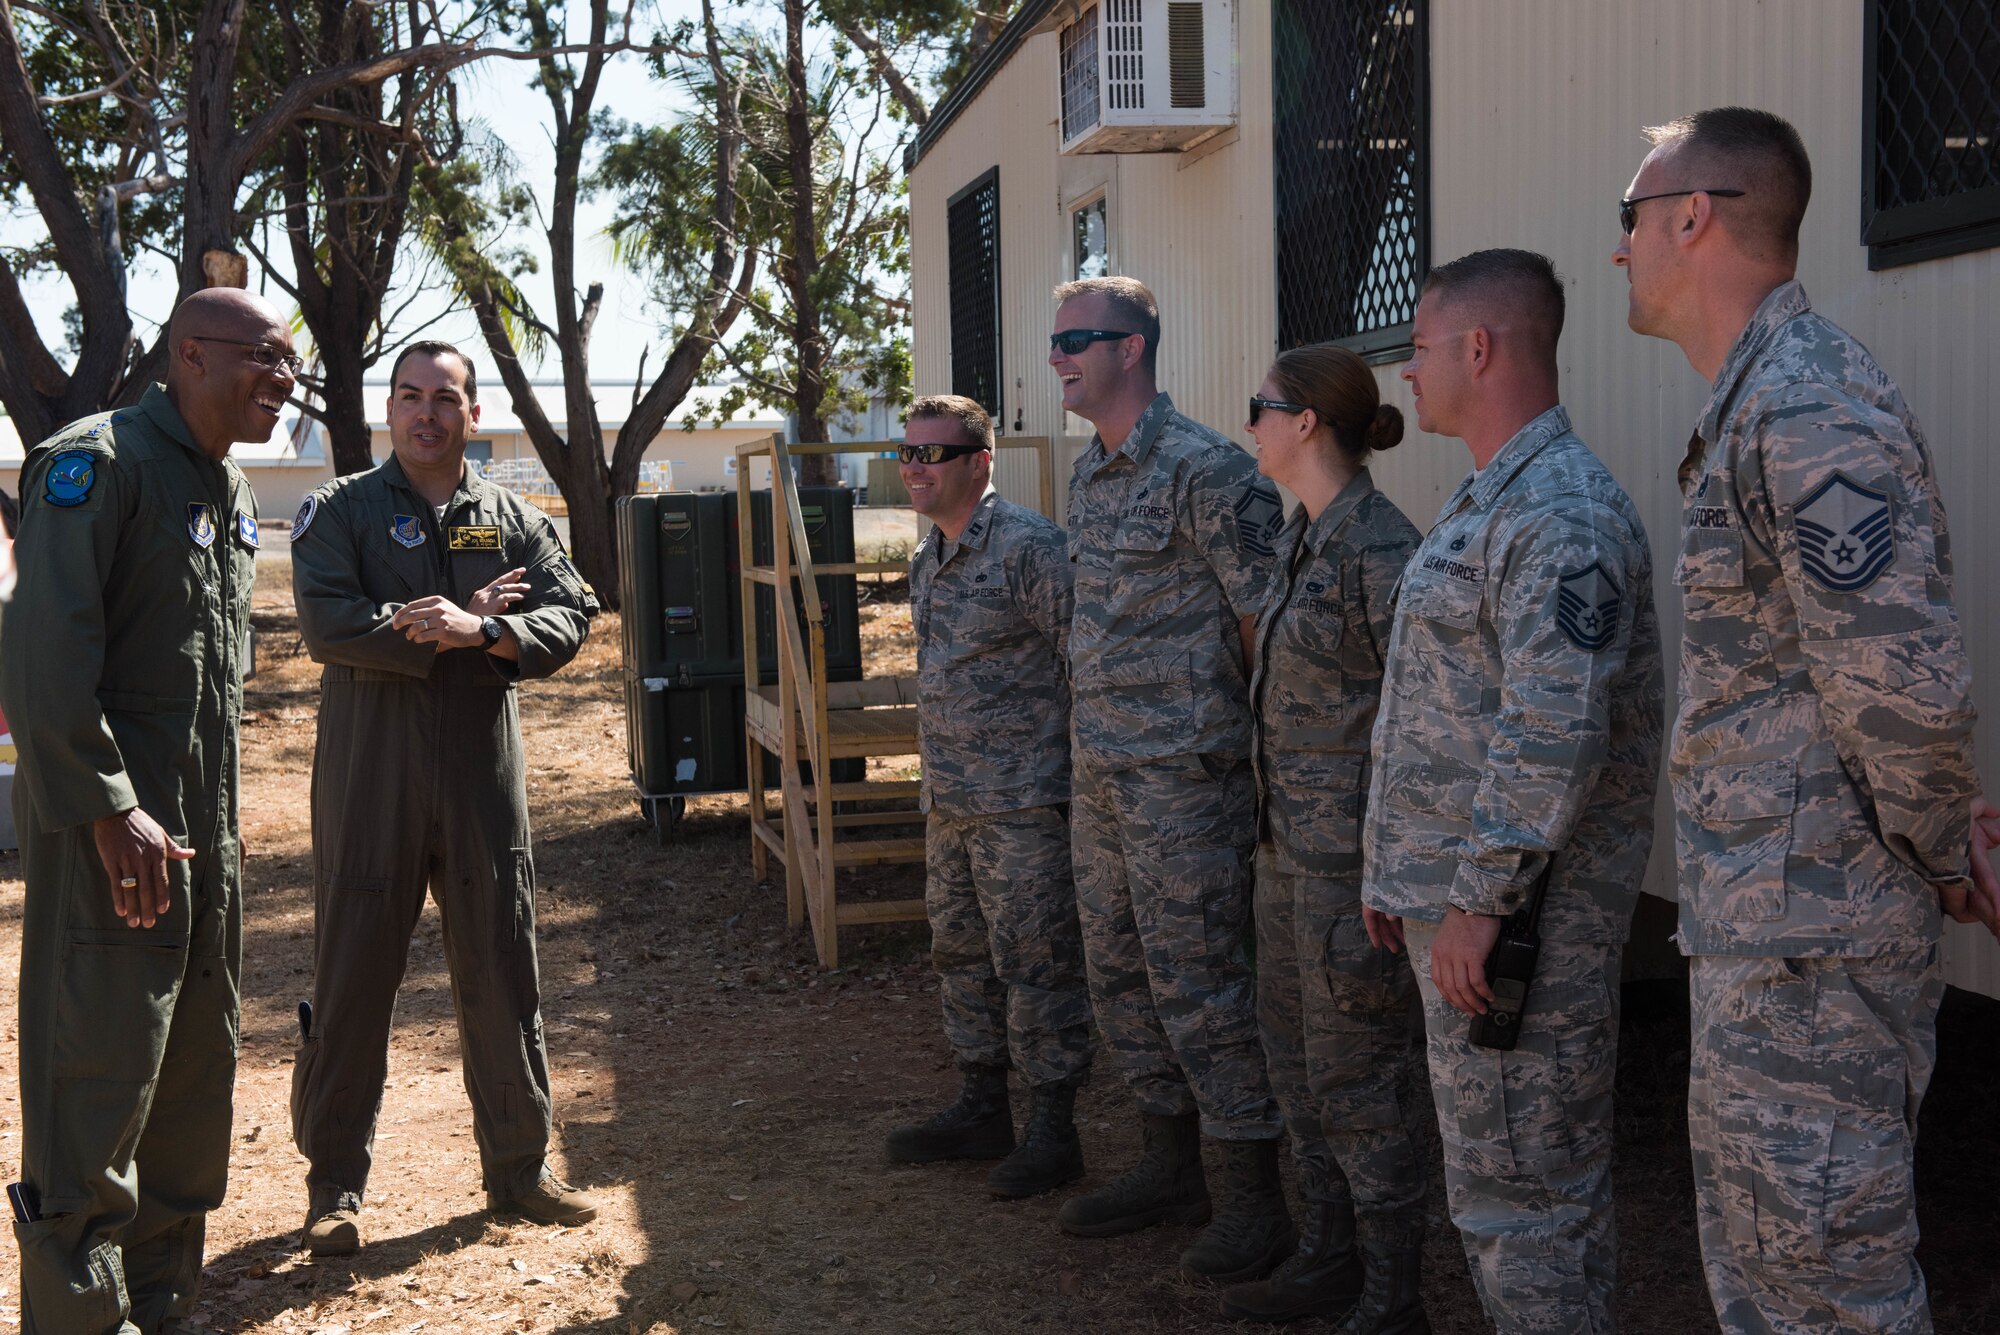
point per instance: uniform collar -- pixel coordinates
(1787, 301)
(471, 487)
(166, 418)
(977, 529)
(1320, 531)
(1524, 445)
(1144, 431)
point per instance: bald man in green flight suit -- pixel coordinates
(121, 665)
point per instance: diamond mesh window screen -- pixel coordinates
(1351, 150)
(972, 243)
(1931, 171)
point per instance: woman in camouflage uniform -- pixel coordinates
(1334, 1010)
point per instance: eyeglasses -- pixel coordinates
(1628, 213)
(1073, 341)
(263, 354)
(935, 454)
(1258, 405)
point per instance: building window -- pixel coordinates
(1351, 155)
(1931, 129)
(972, 225)
(1090, 246)
(479, 451)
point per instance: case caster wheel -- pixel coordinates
(665, 813)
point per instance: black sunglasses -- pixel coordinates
(1628, 214)
(935, 454)
(263, 354)
(1073, 341)
(1258, 405)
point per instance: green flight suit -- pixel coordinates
(121, 675)
(419, 780)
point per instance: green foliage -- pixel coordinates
(663, 180)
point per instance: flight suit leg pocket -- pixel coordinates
(1735, 825)
(136, 980)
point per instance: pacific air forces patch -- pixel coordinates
(201, 523)
(408, 530)
(70, 477)
(1846, 534)
(1260, 518)
(1587, 603)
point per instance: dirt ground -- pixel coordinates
(726, 1100)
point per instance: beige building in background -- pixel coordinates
(1524, 132)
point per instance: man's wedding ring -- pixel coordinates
(128, 882)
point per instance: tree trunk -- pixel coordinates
(809, 389)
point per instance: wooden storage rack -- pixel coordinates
(806, 717)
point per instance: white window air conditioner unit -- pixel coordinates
(1147, 76)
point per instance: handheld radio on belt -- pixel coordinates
(1511, 968)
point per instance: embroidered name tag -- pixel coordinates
(473, 537)
(1458, 570)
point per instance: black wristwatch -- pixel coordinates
(490, 630)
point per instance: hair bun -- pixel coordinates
(1386, 431)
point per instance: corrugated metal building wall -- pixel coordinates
(1536, 107)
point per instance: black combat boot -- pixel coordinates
(1252, 1231)
(1392, 1303)
(1165, 1186)
(1321, 1278)
(979, 1126)
(1050, 1153)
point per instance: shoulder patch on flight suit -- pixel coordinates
(201, 523)
(408, 530)
(70, 477)
(473, 537)
(1587, 603)
(1260, 518)
(1846, 534)
(246, 530)
(303, 519)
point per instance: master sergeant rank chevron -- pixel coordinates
(1846, 534)
(1587, 603)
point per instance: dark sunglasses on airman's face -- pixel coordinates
(1073, 341)
(934, 454)
(1258, 405)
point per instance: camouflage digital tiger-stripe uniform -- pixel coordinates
(1822, 771)
(1334, 1010)
(1520, 720)
(992, 612)
(1170, 532)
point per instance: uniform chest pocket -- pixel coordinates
(1453, 602)
(1146, 528)
(1313, 625)
(1711, 558)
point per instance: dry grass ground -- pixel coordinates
(726, 1100)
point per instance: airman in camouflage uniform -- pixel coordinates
(1822, 769)
(1520, 722)
(1334, 1009)
(1170, 529)
(991, 607)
